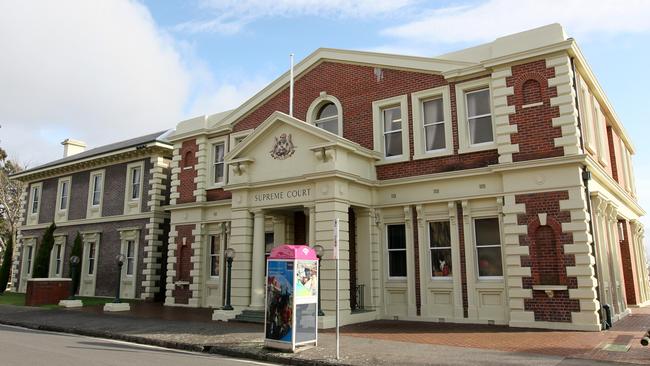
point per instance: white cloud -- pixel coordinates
(95, 71)
(231, 16)
(494, 18)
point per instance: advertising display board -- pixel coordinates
(291, 314)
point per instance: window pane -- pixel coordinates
(396, 236)
(487, 232)
(435, 136)
(480, 130)
(393, 142)
(478, 103)
(214, 266)
(129, 266)
(218, 172)
(441, 262)
(328, 110)
(392, 119)
(397, 263)
(218, 152)
(433, 111)
(64, 196)
(130, 246)
(331, 125)
(269, 240)
(489, 261)
(439, 235)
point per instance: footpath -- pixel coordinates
(374, 343)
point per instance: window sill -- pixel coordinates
(550, 287)
(531, 105)
(215, 186)
(476, 148)
(392, 160)
(433, 154)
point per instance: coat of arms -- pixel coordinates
(283, 147)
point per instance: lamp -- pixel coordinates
(74, 262)
(119, 259)
(319, 253)
(230, 255)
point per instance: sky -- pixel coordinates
(103, 71)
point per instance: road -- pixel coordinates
(26, 347)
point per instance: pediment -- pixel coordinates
(284, 147)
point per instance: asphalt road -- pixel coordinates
(19, 346)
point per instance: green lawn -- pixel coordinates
(13, 298)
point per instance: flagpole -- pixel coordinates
(336, 256)
(291, 86)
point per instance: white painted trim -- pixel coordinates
(316, 105)
(133, 206)
(210, 160)
(419, 137)
(61, 215)
(32, 217)
(237, 135)
(464, 142)
(378, 106)
(95, 211)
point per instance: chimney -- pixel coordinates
(72, 147)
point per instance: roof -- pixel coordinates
(160, 136)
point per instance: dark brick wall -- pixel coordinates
(114, 186)
(48, 201)
(546, 259)
(79, 196)
(109, 247)
(535, 132)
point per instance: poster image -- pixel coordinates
(306, 279)
(279, 298)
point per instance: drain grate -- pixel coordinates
(616, 347)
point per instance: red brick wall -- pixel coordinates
(629, 269)
(547, 256)
(217, 194)
(46, 292)
(182, 293)
(188, 172)
(535, 132)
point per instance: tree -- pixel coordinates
(10, 192)
(42, 261)
(5, 269)
(77, 250)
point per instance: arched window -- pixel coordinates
(328, 118)
(532, 91)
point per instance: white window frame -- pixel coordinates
(59, 242)
(129, 234)
(131, 205)
(586, 115)
(378, 107)
(90, 266)
(35, 191)
(476, 247)
(29, 259)
(128, 258)
(217, 237)
(314, 108)
(62, 214)
(211, 161)
(431, 249)
(241, 136)
(394, 250)
(95, 211)
(464, 141)
(600, 131)
(419, 127)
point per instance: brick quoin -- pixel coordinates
(535, 132)
(183, 253)
(217, 194)
(547, 260)
(188, 172)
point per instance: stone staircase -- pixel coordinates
(251, 316)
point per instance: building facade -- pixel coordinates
(489, 185)
(113, 197)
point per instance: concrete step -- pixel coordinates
(251, 316)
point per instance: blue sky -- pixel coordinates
(104, 71)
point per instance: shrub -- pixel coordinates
(77, 249)
(5, 269)
(42, 261)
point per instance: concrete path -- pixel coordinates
(245, 340)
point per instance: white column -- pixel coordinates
(257, 271)
(312, 225)
(279, 230)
